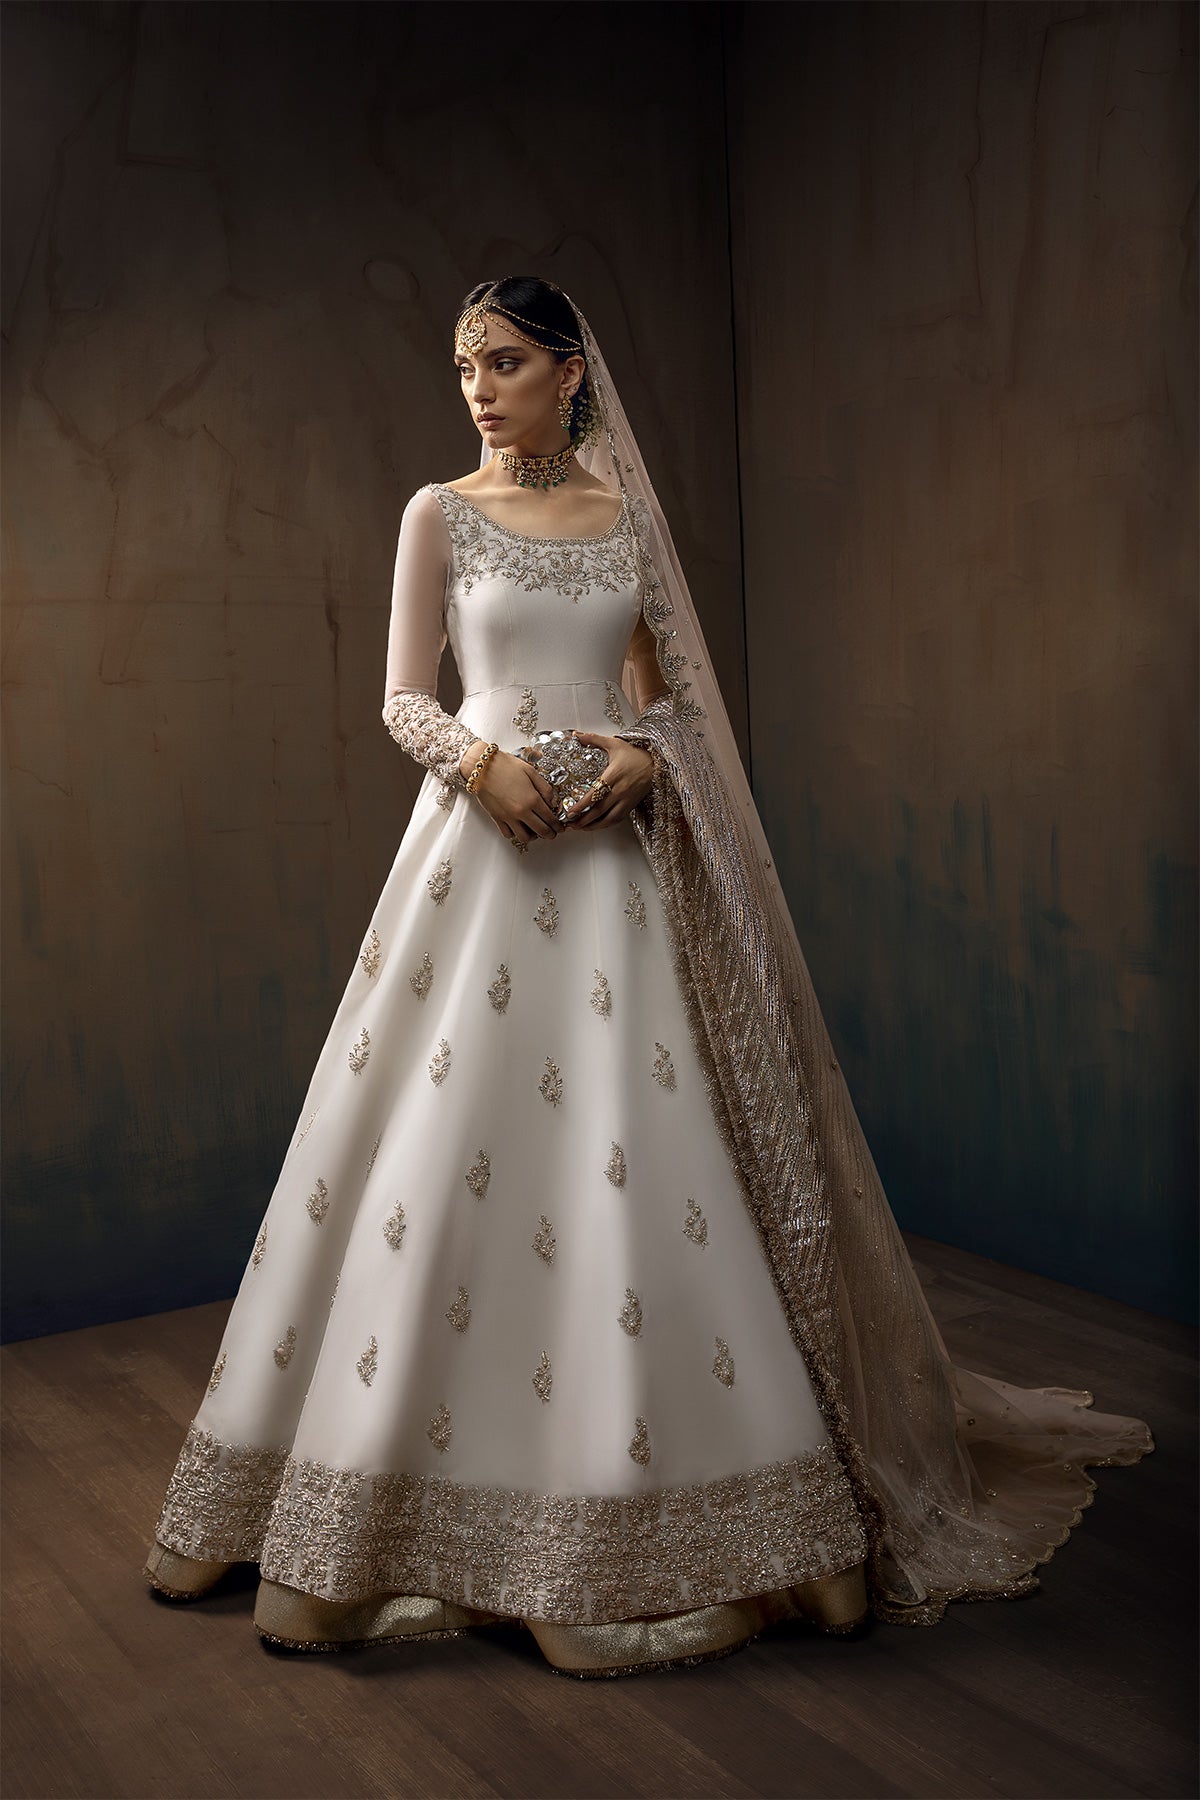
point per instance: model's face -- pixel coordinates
(513, 389)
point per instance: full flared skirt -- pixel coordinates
(507, 1338)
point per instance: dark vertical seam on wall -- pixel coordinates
(737, 414)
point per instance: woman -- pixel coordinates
(578, 1300)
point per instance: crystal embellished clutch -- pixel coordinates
(569, 766)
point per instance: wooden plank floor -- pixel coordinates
(1083, 1689)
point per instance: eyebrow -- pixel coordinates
(502, 350)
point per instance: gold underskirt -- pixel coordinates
(835, 1604)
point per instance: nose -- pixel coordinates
(481, 394)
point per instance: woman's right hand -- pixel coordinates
(519, 800)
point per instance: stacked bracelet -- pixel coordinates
(473, 778)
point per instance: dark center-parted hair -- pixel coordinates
(544, 314)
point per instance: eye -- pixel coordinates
(506, 362)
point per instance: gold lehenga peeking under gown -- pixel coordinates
(517, 1338)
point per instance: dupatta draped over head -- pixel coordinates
(965, 1482)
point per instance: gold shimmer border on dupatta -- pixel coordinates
(573, 1559)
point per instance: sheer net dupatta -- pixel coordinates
(966, 1483)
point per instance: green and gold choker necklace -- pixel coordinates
(538, 471)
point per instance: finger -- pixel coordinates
(543, 810)
(596, 813)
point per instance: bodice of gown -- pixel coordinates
(539, 627)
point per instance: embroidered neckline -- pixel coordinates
(528, 537)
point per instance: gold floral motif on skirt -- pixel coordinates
(723, 1363)
(439, 882)
(639, 1443)
(367, 1362)
(544, 1240)
(546, 916)
(630, 1315)
(500, 989)
(438, 1429)
(695, 1226)
(550, 1086)
(318, 1202)
(543, 1378)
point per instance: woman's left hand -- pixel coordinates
(629, 773)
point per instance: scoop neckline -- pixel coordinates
(530, 537)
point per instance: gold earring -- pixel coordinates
(564, 412)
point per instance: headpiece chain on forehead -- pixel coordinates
(470, 334)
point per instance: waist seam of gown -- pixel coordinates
(515, 687)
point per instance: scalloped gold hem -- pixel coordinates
(182, 1577)
(327, 1646)
(654, 1667)
(176, 1594)
(932, 1609)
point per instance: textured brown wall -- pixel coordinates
(965, 271)
(237, 238)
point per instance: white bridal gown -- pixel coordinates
(507, 1337)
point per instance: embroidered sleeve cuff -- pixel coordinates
(428, 733)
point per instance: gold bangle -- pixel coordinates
(473, 778)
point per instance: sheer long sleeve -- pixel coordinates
(641, 660)
(416, 640)
(651, 695)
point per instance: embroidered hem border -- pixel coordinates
(571, 1559)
